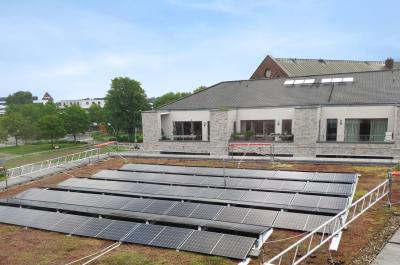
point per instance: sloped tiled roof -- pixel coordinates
(376, 87)
(302, 67)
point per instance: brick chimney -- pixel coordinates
(389, 63)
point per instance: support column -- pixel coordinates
(305, 131)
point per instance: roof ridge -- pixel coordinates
(329, 60)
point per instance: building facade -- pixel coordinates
(83, 103)
(353, 115)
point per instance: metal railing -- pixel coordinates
(331, 229)
(50, 163)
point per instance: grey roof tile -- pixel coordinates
(368, 88)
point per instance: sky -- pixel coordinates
(73, 49)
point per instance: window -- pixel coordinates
(191, 129)
(245, 126)
(331, 129)
(260, 127)
(287, 127)
(267, 73)
(371, 130)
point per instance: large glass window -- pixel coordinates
(331, 129)
(187, 130)
(372, 130)
(261, 128)
(286, 126)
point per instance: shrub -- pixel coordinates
(248, 134)
(235, 136)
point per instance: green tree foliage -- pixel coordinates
(3, 131)
(124, 102)
(14, 123)
(96, 114)
(199, 89)
(19, 98)
(75, 119)
(51, 127)
(168, 98)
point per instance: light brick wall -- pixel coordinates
(305, 130)
(219, 132)
(151, 125)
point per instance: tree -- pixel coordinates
(14, 124)
(76, 120)
(124, 102)
(3, 131)
(51, 127)
(168, 98)
(199, 89)
(96, 114)
(19, 98)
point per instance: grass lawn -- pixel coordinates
(33, 148)
(33, 157)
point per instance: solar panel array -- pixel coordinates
(344, 189)
(244, 173)
(277, 200)
(234, 201)
(212, 243)
(219, 214)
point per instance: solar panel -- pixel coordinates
(9, 213)
(171, 237)
(117, 230)
(339, 188)
(321, 176)
(232, 214)
(144, 234)
(93, 227)
(271, 184)
(337, 203)
(206, 211)
(314, 221)
(151, 188)
(306, 201)
(260, 217)
(189, 192)
(116, 202)
(294, 175)
(293, 185)
(316, 187)
(137, 205)
(213, 181)
(233, 246)
(159, 207)
(345, 177)
(47, 220)
(69, 224)
(288, 82)
(255, 196)
(279, 198)
(233, 195)
(26, 217)
(233, 182)
(183, 209)
(171, 190)
(291, 221)
(251, 183)
(210, 193)
(201, 241)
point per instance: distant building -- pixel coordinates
(272, 67)
(2, 105)
(83, 103)
(47, 97)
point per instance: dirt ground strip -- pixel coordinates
(360, 243)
